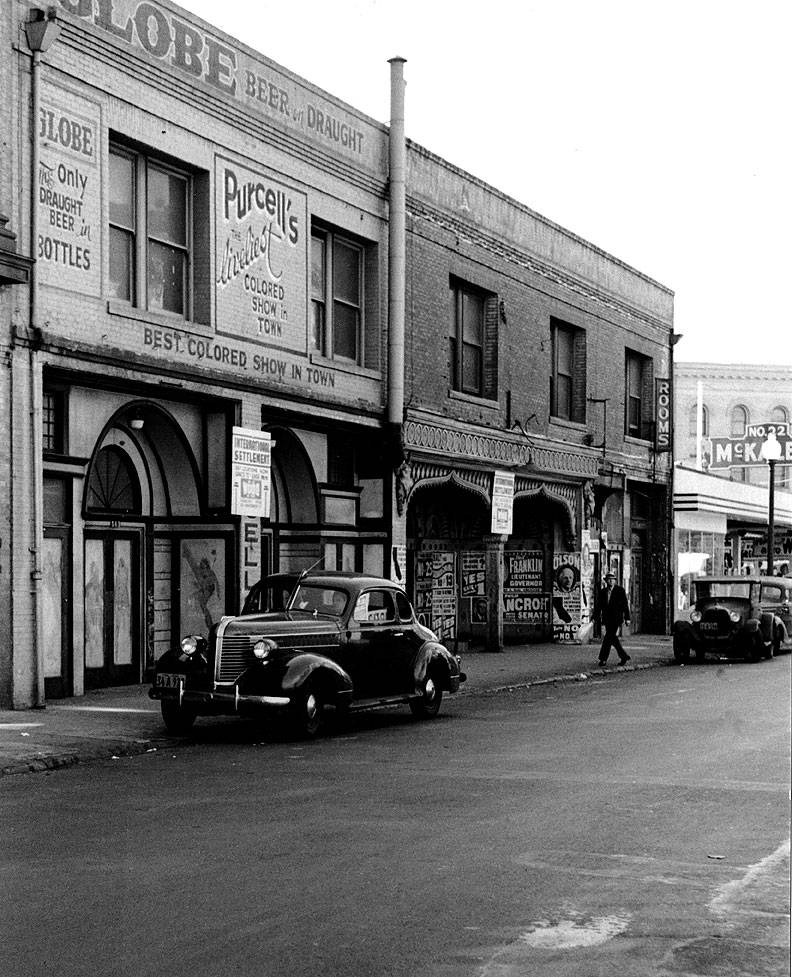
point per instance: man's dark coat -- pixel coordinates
(614, 607)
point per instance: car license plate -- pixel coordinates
(709, 626)
(165, 680)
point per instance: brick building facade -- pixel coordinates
(220, 253)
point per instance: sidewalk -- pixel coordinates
(124, 721)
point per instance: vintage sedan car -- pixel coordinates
(736, 617)
(345, 640)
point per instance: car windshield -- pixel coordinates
(722, 588)
(319, 600)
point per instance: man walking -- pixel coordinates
(613, 610)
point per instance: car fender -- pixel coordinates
(751, 626)
(307, 665)
(433, 654)
(767, 625)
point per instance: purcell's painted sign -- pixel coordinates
(260, 289)
(188, 47)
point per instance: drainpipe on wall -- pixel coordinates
(396, 264)
(41, 30)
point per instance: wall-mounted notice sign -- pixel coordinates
(251, 453)
(502, 502)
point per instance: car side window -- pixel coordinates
(375, 607)
(771, 594)
(403, 606)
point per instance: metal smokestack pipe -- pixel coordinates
(396, 260)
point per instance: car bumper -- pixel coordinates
(218, 701)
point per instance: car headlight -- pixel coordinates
(264, 648)
(695, 616)
(735, 617)
(191, 644)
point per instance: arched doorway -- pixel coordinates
(447, 522)
(112, 572)
(142, 502)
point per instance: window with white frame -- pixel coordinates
(150, 237)
(337, 295)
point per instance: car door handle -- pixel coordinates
(398, 634)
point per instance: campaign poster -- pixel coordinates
(523, 599)
(473, 585)
(435, 592)
(567, 596)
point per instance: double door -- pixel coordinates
(112, 608)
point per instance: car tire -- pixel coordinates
(428, 705)
(775, 645)
(307, 711)
(178, 718)
(756, 650)
(681, 648)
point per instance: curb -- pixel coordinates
(562, 679)
(59, 761)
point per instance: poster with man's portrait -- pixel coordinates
(566, 596)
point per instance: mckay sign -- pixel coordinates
(745, 452)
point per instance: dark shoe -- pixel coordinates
(602, 664)
(624, 660)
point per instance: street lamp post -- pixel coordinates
(771, 452)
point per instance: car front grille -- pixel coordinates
(234, 655)
(716, 623)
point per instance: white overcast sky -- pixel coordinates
(658, 131)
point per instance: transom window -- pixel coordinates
(336, 295)
(113, 485)
(150, 232)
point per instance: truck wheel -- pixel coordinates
(178, 719)
(428, 706)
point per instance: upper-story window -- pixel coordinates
(568, 382)
(693, 421)
(638, 390)
(472, 340)
(739, 421)
(337, 295)
(150, 232)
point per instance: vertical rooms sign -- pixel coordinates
(67, 249)
(261, 259)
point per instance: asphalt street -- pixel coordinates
(633, 824)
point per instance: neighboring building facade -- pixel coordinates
(227, 282)
(721, 514)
